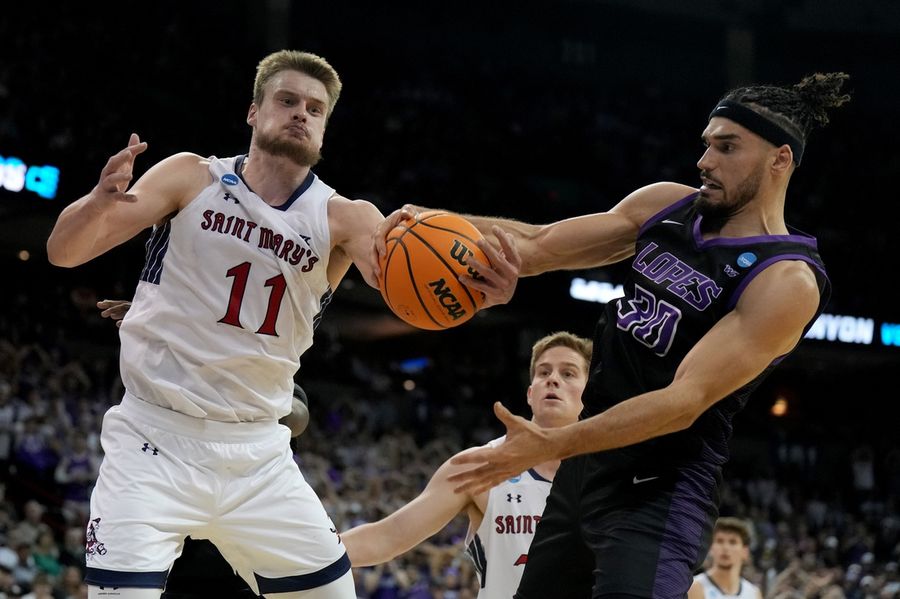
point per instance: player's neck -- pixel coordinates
(273, 178)
(727, 579)
(547, 469)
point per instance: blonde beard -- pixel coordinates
(300, 154)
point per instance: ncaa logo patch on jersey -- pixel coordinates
(746, 259)
(230, 179)
(515, 479)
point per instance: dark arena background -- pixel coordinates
(537, 111)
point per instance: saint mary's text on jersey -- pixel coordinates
(292, 252)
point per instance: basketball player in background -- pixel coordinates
(502, 519)
(243, 258)
(719, 292)
(729, 550)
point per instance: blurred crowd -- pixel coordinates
(815, 536)
(467, 121)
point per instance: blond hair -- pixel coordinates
(582, 346)
(736, 526)
(304, 62)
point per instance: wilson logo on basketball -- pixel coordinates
(460, 253)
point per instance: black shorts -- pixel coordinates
(632, 531)
(202, 572)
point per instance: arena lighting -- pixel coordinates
(780, 407)
(836, 328)
(16, 176)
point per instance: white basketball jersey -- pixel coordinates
(746, 589)
(499, 547)
(228, 299)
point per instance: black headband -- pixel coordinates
(759, 124)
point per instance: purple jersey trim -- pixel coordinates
(732, 301)
(666, 211)
(692, 509)
(736, 294)
(797, 237)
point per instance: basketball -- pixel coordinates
(419, 270)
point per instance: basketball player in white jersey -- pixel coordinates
(501, 520)
(729, 550)
(244, 255)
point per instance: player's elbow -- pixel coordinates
(691, 404)
(57, 255)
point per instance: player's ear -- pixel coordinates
(783, 159)
(251, 114)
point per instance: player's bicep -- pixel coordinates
(597, 239)
(163, 190)
(352, 223)
(767, 322)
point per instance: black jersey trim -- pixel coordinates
(534, 474)
(100, 577)
(156, 248)
(478, 555)
(307, 183)
(304, 582)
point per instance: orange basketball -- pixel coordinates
(420, 268)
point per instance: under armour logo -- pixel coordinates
(228, 196)
(730, 271)
(147, 448)
(509, 498)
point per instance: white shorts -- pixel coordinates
(166, 475)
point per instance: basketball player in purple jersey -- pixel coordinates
(719, 292)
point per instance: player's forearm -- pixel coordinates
(635, 420)
(75, 234)
(523, 233)
(371, 544)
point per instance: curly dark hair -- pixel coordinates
(798, 109)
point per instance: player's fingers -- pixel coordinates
(479, 480)
(383, 228)
(499, 261)
(509, 246)
(113, 181)
(477, 456)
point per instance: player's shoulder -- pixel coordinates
(342, 203)
(644, 203)
(348, 217)
(189, 160)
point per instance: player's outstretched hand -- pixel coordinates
(114, 309)
(116, 175)
(498, 279)
(526, 445)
